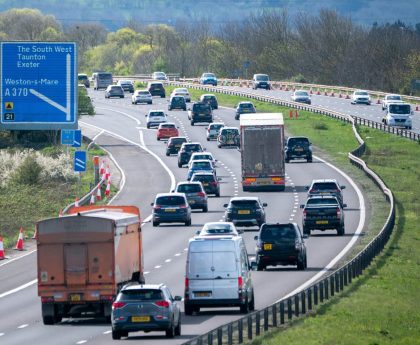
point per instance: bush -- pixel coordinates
(28, 172)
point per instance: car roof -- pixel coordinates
(216, 123)
(244, 198)
(156, 110)
(327, 180)
(170, 194)
(322, 197)
(298, 138)
(192, 143)
(201, 160)
(202, 153)
(188, 182)
(245, 102)
(142, 90)
(227, 127)
(208, 95)
(172, 138)
(143, 286)
(301, 90)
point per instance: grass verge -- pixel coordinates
(381, 307)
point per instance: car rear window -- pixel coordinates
(218, 229)
(192, 147)
(229, 132)
(246, 105)
(246, 203)
(323, 201)
(156, 113)
(298, 141)
(170, 200)
(216, 127)
(277, 232)
(189, 188)
(204, 178)
(178, 140)
(198, 165)
(116, 87)
(167, 126)
(324, 186)
(141, 295)
(144, 93)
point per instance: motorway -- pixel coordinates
(148, 171)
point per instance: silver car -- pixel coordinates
(145, 308)
(182, 91)
(141, 96)
(218, 228)
(213, 130)
(194, 191)
(155, 118)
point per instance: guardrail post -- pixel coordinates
(240, 331)
(289, 308)
(265, 319)
(316, 294)
(200, 341)
(210, 338)
(309, 299)
(249, 327)
(219, 336)
(332, 285)
(321, 291)
(281, 312)
(297, 305)
(230, 334)
(337, 281)
(341, 280)
(303, 301)
(346, 275)
(257, 323)
(274, 315)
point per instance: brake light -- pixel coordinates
(213, 183)
(338, 213)
(240, 283)
(157, 207)
(187, 283)
(312, 190)
(183, 206)
(118, 305)
(48, 299)
(201, 194)
(164, 304)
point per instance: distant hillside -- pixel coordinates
(115, 13)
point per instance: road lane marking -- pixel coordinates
(23, 326)
(81, 341)
(168, 260)
(122, 113)
(158, 266)
(107, 332)
(1, 334)
(24, 286)
(17, 258)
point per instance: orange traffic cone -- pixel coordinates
(108, 188)
(340, 95)
(76, 202)
(332, 94)
(2, 256)
(378, 101)
(347, 96)
(417, 108)
(296, 114)
(98, 194)
(107, 173)
(325, 93)
(318, 92)
(102, 168)
(291, 114)
(92, 199)
(19, 243)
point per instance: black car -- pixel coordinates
(209, 181)
(280, 244)
(200, 112)
(298, 148)
(171, 208)
(83, 79)
(177, 102)
(246, 211)
(156, 89)
(114, 91)
(325, 187)
(210, 99)
(261, 81)
(185, 152)
(174, 144)
(127, 85)
(244, 108)
(146, 308)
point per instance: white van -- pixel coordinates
(398, 115)
(218, 274)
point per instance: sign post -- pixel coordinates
(38, 85)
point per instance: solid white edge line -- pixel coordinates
(17, 258)
(348, 246)
(122, 113)
(24, 286)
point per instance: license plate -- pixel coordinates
(177, 145)
(202, 114)
(268, 246)
(205, 184)
(322, 222)
(191, 202)
(140, 319)
(244, 212)
(170, 210)
(299, 150)
(75, 297)
(202, 294)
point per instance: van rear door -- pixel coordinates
(199, 269)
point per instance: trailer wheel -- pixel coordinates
(48, 320)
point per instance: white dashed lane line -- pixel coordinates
(82, 341)
(23, 326)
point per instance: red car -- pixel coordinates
(167, 130)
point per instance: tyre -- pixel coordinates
(167, 154)
(188, 222)
(244, 308)
(170, 333)
(205, 209)
(116, 335)
(48, 319)
(306, 231)
(169, 108)
(162, 96)
(340, 231)
(150, 102)
(179, 165)
(155, 223)
(252, 304)
(121, 96)
(287, 160)
(188, 310)
(158, 139)
(301, 265)
(260, 266)
(236, 117)
(309, 159)
(208, 139)
(192, 123)
(219, 146)
(178, 327)
(185, 108)
(217, 195)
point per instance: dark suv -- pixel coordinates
(261, 81)
(200, 112)
(244, 108)
(145, 308)
(177, 102)
(171, 208)
(156, 89)
(174, 144)
(326, 187)
(298, 148)
(210, 99)
(209, 181)
(185, 152)
(246, 211)
(280, 244)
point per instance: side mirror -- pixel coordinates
(173, 191)
(151, 204)
(177, 298)
(145, 115)
(302, 206)
(253, 266)
(225, 205)
(306, 187)
(343, 187)
(265, 204)
(344, 205)
(256, 238)
(305, 237)
(197, 232)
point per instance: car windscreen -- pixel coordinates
(190, 148)
(82, 77)
(301, 93)
(401, 109)
(156, 113)
(277, 232)
(262, 77)
(394, 98)
(208, 75)
(298, 141)
(204, 178)
(323, 201)
(325, 186)
(189, 188)
(246, 105)
(141, 295)
(245, 203)
(172, 200)
(177, 141)
(361, 93)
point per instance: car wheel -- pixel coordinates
(116, 335)
(170, 333)
(185, 108)
(244, 308)
(236, 117)
(300, 265)
(150, 102)
(252, 304)
(48, 320)
(340, 231)
(217, 195)
(219, 146)
(205, 209)
(158, 139)
(167, 153)
(309, 159)
(306, 231)
(188, 222)
(178, 327)
(188, 310)
(155, 223)
(260, 266)
(162, 96)
(306, 262)
(287, 160)
(192, 123)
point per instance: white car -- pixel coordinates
(155, 118)
(218, 229)
(391, 98)
(141, 96)
(213, 130)
(301, 96)
(159, 76)
(360, 96)
(182, 91)
(202, 155)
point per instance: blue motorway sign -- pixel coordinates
(67, 137)
(38, 85)
(80, 161)
(77, 138)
